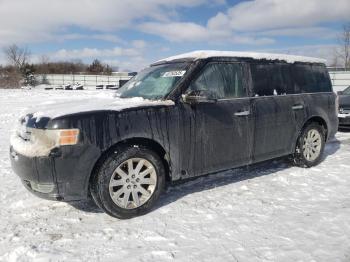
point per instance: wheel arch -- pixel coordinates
(313, 119)
(317, 119)
(136, 141)
(297, 154)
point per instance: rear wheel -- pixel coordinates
(310, 146)
(129, 182)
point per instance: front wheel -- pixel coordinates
(310, 146)
(129, 182)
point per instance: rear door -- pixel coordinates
(278, 112)
(222, 129)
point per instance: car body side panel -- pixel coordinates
(280, 119)
(215, 139)
(102, 130)
(322, 105)
(194, 149)
(71, 170)
(274, 126)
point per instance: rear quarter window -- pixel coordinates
(311, 79)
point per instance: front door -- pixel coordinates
(219, 131)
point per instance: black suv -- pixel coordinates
(344, 108)
(182, 117)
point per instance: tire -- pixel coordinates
(128, 182)
(310, 146)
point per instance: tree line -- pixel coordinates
(20, 71)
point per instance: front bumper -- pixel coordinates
(62, 176)
(344, 120)
(36, 175)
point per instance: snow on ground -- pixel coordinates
(268, 212)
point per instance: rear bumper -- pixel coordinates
(63, 176)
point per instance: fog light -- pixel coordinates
(42, 188)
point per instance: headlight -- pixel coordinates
(54, 138)
(34, 142)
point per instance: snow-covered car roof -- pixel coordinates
(203, 54)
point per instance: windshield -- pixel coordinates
(154, 82)
(346, 91)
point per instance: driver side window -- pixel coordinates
(219, 81)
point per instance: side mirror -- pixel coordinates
(340, 93)
(196, 97)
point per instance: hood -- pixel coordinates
(52, 109)
(344, 101)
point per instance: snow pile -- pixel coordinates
(38, 145)
(268, 212)
(202, 54)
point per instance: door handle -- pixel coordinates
(243, 113)
(298, 107)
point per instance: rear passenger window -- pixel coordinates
(220, 80)
(311, 79)
(271, 79)
(305, 81)
(282, 79)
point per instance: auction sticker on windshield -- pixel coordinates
(173, 73)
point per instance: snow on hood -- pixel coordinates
(203, 54)
(54, 109)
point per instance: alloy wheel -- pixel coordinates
(312, 145)
(133, 183)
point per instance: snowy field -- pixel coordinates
(268, 212)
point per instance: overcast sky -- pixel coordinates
(131, 34)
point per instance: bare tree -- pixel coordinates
(335, 58)
(17, 56)
(19, 69)
(44, 59)
(344, 46)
